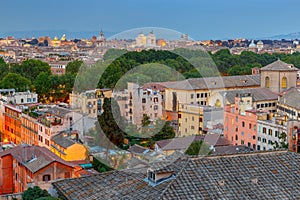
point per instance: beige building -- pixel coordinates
(288, 104)
(261, 98)
(198, 90)
(195, 119)
(278, 76)
(90, 102)
(142, 101)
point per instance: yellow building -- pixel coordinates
(90, 102)
(55, 42)
(68, 146)
(195, 119)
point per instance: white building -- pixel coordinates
(268, 133)
(21, 98)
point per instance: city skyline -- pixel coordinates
(201, 20)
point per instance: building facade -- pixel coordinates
(26, 166)
(278, 76)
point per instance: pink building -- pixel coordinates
(240, 122)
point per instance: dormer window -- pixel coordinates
(155, 177)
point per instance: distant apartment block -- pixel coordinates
(20, 98)
(58, 67)
(142, 101)
(90, 102)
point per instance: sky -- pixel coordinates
(201, 19)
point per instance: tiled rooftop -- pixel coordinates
(258, 94)
(258, 175)
(34, 158)
(279, 66)
(217, 82)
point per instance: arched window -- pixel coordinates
(267, 82)
(284, 82)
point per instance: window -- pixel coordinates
(192, 127)
(193, 118)
(236, 137)
(179, 116)
(264, 130)
(200, 119)
(269, 142)
(143, 100)
(192, 96)
(249, 144)
(242, 133)
(284, 82)
(243, 124)
(250, 126)
(258, 147)
(46, 177)
(198, 95)
(270, 132)
(267, 82)
(276, 133)
(242, 142)
(253, 137)
(236, 119)
(22, 100)
(259, 138)
(155, 107)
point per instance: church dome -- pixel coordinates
(252, 44)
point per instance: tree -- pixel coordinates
(282, 144)
(43, 86)
(35, 193)
(16, 81)
(31, 68)
(145, 120)
(4, 68)
(73, 67)
(166, 131)
(198, 147)
(111, 121)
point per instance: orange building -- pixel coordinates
(29, 131)
(27, 166)
(294, 136)
(12, 124)
(240, 122)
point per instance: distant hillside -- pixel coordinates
(290, 36)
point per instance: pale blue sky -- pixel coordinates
(202, 19)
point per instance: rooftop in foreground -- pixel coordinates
(258, 175)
